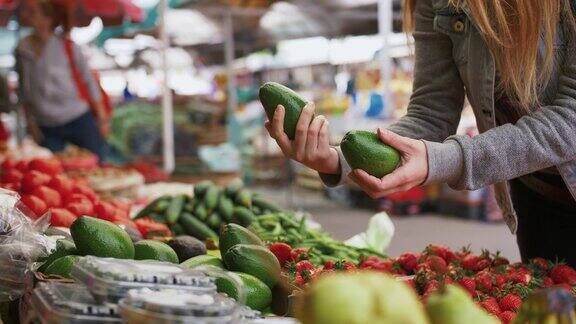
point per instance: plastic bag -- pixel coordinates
(21, 244)
(378, 235)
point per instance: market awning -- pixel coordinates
(81, 12)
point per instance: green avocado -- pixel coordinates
(273, 94)
(364, 150)
(93, 236)
(154, 250)
(254, 260)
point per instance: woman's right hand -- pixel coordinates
(311, 145)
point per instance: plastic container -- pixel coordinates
(171, 306)
(111, 279)
(64, 303)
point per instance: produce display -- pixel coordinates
(202, 214)
(273, 94)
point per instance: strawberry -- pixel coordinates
(436, 263)
(482, 264)
(304, 265)
(470, 262)
(499, 280)
(299, 254)
(299, 280)
(547, 282)
(510, 302)
(344, 265)
(498, 260)
(540, 263)
(469, 284)
(563, 274)
(442, 251)
(490, 304)
(483, 281)
(431, 286)
(507, 317)
(521, 276)
(282, 251)
(411, 282)
(408, 261)
(329, 265)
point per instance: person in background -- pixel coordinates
(55, 111)
(515, 61)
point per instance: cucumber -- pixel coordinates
(233, 188)
(189, 204)
(243, 216)
(175, 209)
(264, 205)
(272, 94)
(151, 207)
(201, 188)
(200, 212)
(214, 221)
(160, 218)
(162, 205)
(226, 208)
(257, 210)
(244, 198)
(211, 198)
(196, 228)
(177, 229)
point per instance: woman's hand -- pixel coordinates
(311, 145)
(412, 172)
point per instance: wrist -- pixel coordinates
(331, 164)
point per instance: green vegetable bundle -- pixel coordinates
(284, 227)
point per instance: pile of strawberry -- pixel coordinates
(43, 186)
(495, 284)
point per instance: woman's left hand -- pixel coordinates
(412, 172)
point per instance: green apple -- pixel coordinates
(358, 298)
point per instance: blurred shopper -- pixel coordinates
(57, 89)
(516, 62)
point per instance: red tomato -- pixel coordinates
(106, 211)
(50, 196)
(12, 175)
(147, 227)
(86, 191)
(35, 204)
(34, 179)
(8, 164)
(62, 184)
(81, 208)
(121, 205)
(13, 186)
(21, 166)
(61, 217)
(49, 166)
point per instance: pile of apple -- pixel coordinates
(44, 187)
(496, 285)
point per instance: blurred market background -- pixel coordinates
(183, 76)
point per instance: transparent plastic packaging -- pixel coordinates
(21, 244)
(178, 306)
(111, 279)
(70, 304)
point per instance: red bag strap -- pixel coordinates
(80, 83)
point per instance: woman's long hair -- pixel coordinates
(512, 30)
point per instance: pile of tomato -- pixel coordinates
(44, 187)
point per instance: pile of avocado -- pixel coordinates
(246, 258)
(97, 237)
(211, 207)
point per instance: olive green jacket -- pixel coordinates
(453, 62)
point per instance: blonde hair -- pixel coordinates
(512, 29)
